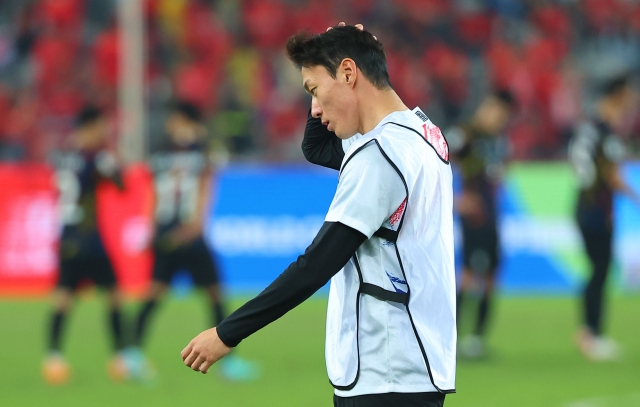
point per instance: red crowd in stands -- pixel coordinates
(227, 58)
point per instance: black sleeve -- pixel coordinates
(321, 146)
(334, 245)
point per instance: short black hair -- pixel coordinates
(615, 85)
(506, 98)
(330, 48)
(188, 110)
(88, 115)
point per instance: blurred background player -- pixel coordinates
(479, 150)
(595, 152)
(82, 256)
(183, 175)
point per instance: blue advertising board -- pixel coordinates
(263, 217)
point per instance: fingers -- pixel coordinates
(198, 363)
(204, 367)
(190, 359)
(358, 26)
(186, 351)
(340, 24)
(195, 366)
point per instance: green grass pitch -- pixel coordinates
(532, 359)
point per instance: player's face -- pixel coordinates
(333, 100)
(182, 131)
(494, 115)
(94, 136)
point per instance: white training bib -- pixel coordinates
(391, 315)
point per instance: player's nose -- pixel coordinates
(316, 110)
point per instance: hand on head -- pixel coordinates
(358, 26)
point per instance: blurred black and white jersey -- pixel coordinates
(177, 176)
(594, 152)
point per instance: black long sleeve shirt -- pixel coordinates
(334, 245)
(321, 146)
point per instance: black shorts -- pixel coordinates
(391, 400)
(83, 257)
(481, 249)
(194, 258)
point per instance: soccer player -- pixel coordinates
(479, 150)
(386, 244)
(82, 255)
(595, 152)
(183, 174)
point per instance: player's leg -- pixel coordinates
(101, 270)
(481, 261)
(164, 266)
(117, 367)
(55, 369)
(214, 293)
(484, 306)
(203, 267)
(114, 303)
(466, 281)
(138, 365)
(492, 248)
(62, 302)
(599, 251)
(155, 293)
(468, 345)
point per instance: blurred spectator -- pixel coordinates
(226, 58)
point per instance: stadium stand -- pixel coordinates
(226, 57)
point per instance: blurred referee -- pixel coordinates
(595, 152)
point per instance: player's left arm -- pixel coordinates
(334, 245)
(369, 191)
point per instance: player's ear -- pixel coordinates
(349, 71)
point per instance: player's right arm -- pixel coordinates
(321, 146)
